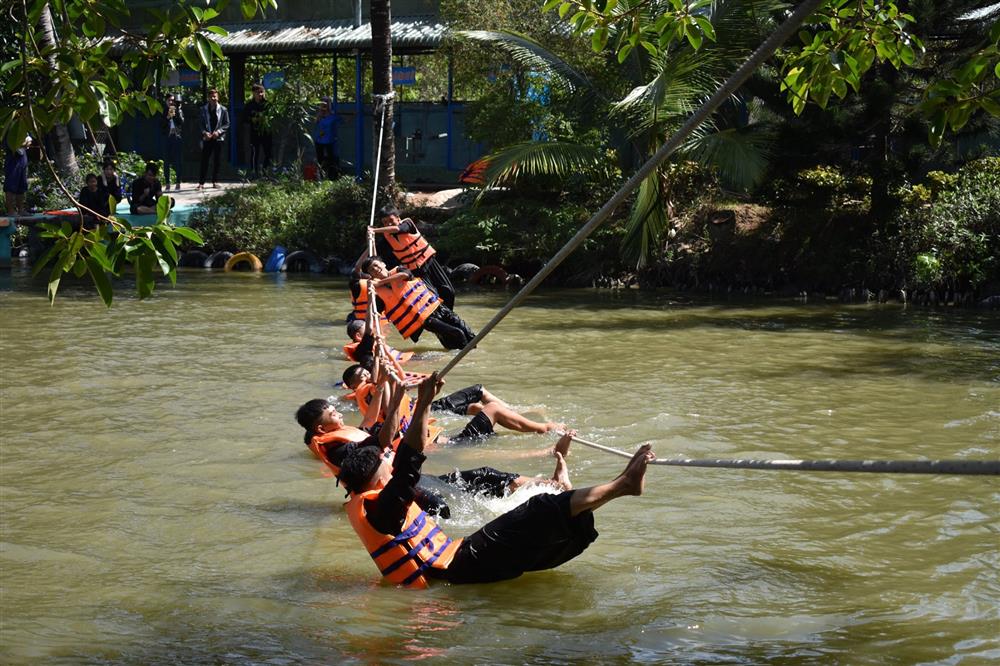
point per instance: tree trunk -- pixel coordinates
(381, 18)
(64, 157)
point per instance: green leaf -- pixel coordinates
(564, 9)
(204, 50)
(55, 275)
(222, 32)
(47, 257)
(162, 208)
(79, 266)
(248, 7)
(190, 234)
(101, 280)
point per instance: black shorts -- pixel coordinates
(483, 480)
(538, 535)
(477, 429)
(459, 401)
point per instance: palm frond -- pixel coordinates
(534, 159)
(646, 222)
(741, 154)
(533, 56)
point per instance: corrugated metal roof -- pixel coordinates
(408, 32)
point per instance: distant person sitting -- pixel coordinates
(109, 182)
(146, 190)
(414, 253)
(93, 198)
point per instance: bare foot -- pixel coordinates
(561, 475)
(633, 479)
(562, 446)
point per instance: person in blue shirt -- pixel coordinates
(324, 136)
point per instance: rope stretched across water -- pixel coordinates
(963, 467)
(763, 52)
(380, 101)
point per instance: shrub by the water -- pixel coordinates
(327, 217)
(953, 242)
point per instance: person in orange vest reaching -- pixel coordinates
(411, 306)
(413, 252)
(485, 408)
(326, 434)
(410, 549)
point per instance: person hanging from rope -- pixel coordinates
(410, 305)
(410, 549)
(412, 251)
(486, 409)
(326, 433)
(362, 345)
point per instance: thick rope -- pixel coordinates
(763, 52)
(381, 101)
(963, 467)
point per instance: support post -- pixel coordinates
(450, 128)
(359, 120)
(237, 84)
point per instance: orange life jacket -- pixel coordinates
(403, 558)
(340, 436)
(401, 357)
(364, 394)
(412, 250)
(361, 304)
(408, 304)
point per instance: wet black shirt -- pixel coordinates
(387, 512)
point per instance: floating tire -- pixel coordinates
(218, 259)
(463, 272)
(302, 261)
(193, 259)
(241, 258)
(489, 275)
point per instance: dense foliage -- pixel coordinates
(327, 217)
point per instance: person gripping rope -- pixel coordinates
(413, 252)
(410, 549)
(411, 306)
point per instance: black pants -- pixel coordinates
(449, 328)
(437, 277)
(431, 490)
(260, 152)
(459, 401)
(211, 149)
(539, 534)
(326, 156)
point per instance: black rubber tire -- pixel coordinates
(218, 259)
(462, 272)
(302, 261)
(193, 259)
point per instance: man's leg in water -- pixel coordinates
(503, 415)
(629, 482)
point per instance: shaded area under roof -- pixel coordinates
(260, 37)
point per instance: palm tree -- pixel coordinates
(381, 19)
(667, 87)
(65, 157)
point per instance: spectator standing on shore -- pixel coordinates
(173, 120)
(15, 177)
(214, 125)
(255, 115)
(325, 138)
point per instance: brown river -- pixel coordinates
(159, 507)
